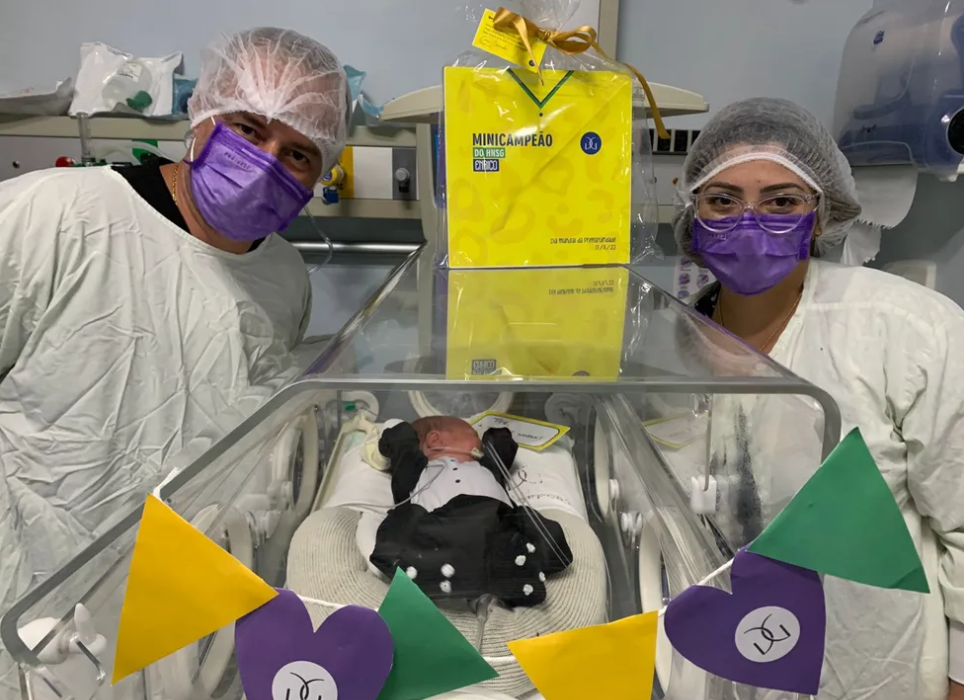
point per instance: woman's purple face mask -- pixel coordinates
(753, 224)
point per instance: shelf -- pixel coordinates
(338, 248)
(137, 128)
(100, 127)
(423, 106)
(165, 130)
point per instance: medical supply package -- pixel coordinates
(110, 80)
(543, 159)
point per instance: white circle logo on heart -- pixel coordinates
(767, 634)
(303, 680)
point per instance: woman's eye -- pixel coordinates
(784, 203)
(719, 201)
(299, 157)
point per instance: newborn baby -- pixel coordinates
(454, 530)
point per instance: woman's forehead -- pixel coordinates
(758, 173)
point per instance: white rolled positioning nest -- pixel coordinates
(325, 560)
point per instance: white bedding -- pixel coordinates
(544, 481)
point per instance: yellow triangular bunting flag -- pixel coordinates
(181, 587)
(614, 661)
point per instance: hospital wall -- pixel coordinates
(724, 50)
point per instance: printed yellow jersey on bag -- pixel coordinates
(536, 323)
(538, 168)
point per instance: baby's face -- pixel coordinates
(461, 440)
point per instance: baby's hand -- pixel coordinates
(500, 440)
(397, 441)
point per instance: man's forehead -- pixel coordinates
(280, 130)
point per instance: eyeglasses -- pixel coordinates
(780, 213)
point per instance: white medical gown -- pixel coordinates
(891, 353)
(122, 338)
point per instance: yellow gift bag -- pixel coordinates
(545, 156)
(538, 167)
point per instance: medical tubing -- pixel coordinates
(324, 236)
(378, 508)
(546, 536)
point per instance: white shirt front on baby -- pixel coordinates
(445, 478)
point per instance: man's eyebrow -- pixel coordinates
(255, 119)
(305, 146)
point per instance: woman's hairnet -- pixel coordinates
(281, 75)
(782, 132)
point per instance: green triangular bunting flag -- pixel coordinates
(845, 522)
(431, 656)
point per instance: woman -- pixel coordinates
(766, 190)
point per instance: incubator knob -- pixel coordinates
(404, 179)
(86, 634)
(632, 525)
(66, 642)
(613, 491)
(703, 497)
(266, 524)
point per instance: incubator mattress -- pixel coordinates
(325, 560)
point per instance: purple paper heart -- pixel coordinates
(281, 656)
(769, 633)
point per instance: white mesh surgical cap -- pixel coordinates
(281, 75)
(782, 132)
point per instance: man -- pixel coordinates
(142, 305)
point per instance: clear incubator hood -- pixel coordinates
(680, 445)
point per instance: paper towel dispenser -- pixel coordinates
(900, 97)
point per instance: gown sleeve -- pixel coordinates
(30, 223)
(932, 425)
(30, 261)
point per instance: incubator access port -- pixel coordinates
(955, 132)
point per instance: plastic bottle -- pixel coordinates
(129, 86)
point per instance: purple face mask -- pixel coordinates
(241, 191)
(748, 259)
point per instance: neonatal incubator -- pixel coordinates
(682, 444)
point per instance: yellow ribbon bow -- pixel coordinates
(572, 42)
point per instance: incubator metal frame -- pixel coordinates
(628, 533)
